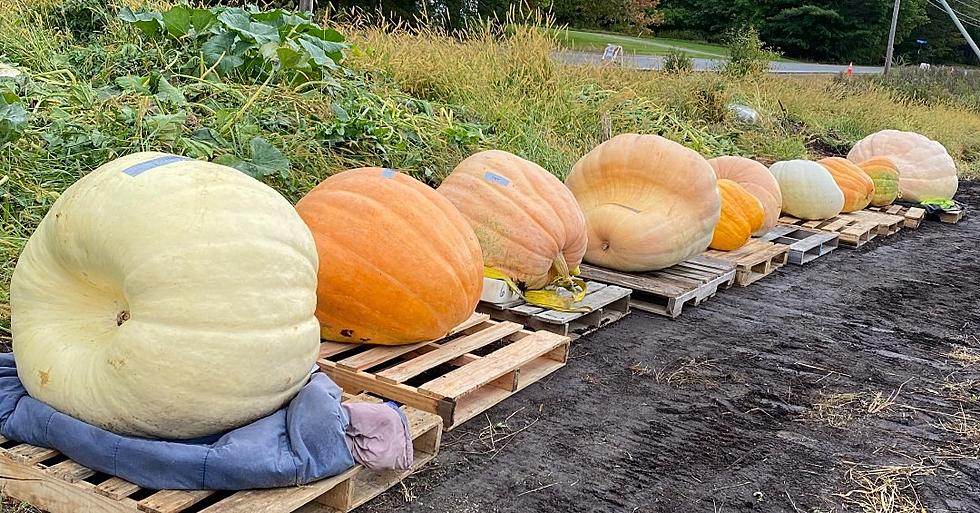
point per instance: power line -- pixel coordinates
(975, 21)
(968, 4)
(971, 21)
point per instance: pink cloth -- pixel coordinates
(378, 436)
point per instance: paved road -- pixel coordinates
(649, 62)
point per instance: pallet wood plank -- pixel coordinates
(483, 398)
(31, 484)
(377, 355)
(172, 501)
(494, 365)
(447, 351)
(328, 349)
(381, 354)
(31, 454)
(70, 471)
(116, 488)
(633, 281)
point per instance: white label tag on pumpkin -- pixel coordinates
(142, 167)
(388, 173)
(495, 178)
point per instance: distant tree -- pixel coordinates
(621, 15)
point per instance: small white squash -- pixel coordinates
(166, 297)
(925, 169)
(809, 190)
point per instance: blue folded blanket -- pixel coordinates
(301, 443)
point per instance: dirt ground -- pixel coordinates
(850, 384)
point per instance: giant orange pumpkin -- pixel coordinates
(398, 263)
(649, 202)
(857, 186)
(529, 225)
(756, 179)
(741, 214)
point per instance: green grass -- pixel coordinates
(597, 41)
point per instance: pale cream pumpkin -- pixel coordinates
(926, 170)
(166, 297)
(809, 190)
(649, 202)
(529, 225)
(756, 179)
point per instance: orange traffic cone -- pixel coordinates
(850, 69)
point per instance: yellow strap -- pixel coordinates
(548, 297)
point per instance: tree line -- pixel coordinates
(820, 30)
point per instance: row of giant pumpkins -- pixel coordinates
(169, 297)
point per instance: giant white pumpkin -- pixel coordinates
(166, 297)
(809, 190)
(925, 168)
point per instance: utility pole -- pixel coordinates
(891, 37)
(956, 21)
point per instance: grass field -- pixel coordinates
(597, 41)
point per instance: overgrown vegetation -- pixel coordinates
(748, 55)
(936, 85)
(420, 100)
(676, 61)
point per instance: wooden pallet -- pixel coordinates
(851, 232)
(755, 260)
(804, 245)
(913, 215)
(952, 217)
(49, 481)
(888, 224)
(479, 364)
(608, 303)
(665, 292)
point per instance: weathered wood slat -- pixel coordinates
(493, 366)
(447, 352)
(116, 489)
(172, 501)
(70, 471)
(31, 454)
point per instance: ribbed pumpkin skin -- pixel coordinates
(398, 263)
(756, 179)
(524, 217)
(809, 190)
(885, 176)
(925, 168)
(166, 298)
(741, 214)
(857, 186)
(649, 202)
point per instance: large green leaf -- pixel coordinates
(240, 21)
(133, 83)
(315, 47)
(202, 20)
(266, 160)
(177, 20)
(13, 121)
(167, 93)
(151, 23)
(222, 47)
